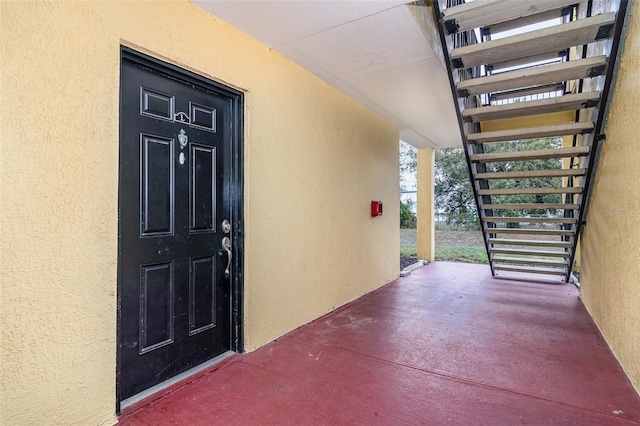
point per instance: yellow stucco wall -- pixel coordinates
(610, 267)
(314, 161)
(426, 232)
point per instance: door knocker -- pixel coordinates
(182, 139)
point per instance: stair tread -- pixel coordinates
(526, 231)
(481, 13)
(531, 155)
(531, 174)
(530, 219)
(550, 39)
(530, 269)
(528, 20)
(527, 252)
(518, 191)
(532, 132)
(530, 206)
(524, 260)
(518, 242)
(569, 102)
(569, 70)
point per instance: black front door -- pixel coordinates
(174, 195)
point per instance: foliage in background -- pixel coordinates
(407, 218)
(517, 166)
(460, 222)
(408, 168)
(408, 158)
(454, 194)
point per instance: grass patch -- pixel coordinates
(462, 254)
(408, 250)
(450, 254)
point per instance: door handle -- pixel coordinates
(226, 245)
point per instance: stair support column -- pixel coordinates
(425, 234)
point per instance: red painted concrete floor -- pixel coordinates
(448, 344)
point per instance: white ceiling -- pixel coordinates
(373, 51)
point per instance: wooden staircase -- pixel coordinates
(520, 71)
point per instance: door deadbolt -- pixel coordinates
(226, 226)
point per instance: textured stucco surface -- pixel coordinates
(610, 267)
(426, 232)
(314, 160)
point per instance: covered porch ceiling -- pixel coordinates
(373, 51)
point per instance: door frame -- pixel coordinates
(236, 198)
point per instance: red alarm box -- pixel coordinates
(376, 208)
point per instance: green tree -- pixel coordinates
(513, 166)
(454, 194)
(408, 158)
(453, 191)
(408, 168)
(407, 218)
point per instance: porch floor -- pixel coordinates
(449, 344)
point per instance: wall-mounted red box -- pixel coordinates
(376, 208)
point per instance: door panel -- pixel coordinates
(203, 193)
(156, 186)
(156, 306)
(175, 180)
(202, 312)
